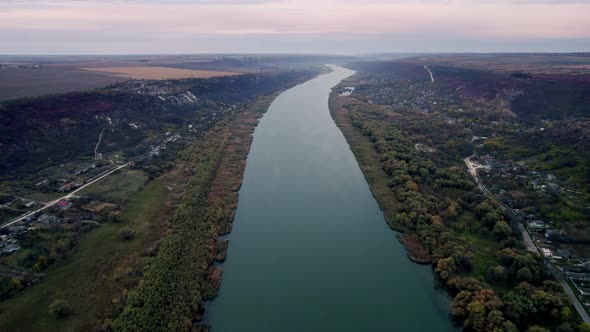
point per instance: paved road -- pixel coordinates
(431, 76)
(566, 287)
(97, 144)
(52, 203)
(529, 242)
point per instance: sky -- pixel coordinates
(292, 26)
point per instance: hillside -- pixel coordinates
(53, 130)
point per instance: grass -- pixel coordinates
(367, 158)
(24, 258)
(484, 247)
(484, 253)
(91, 278)
(117, 187)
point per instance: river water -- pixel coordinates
(310, 249)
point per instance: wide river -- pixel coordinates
(310, 249)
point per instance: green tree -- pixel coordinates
(497, 273)
(524, 274)
(502, 230)
(536, 328)
(41, 263)
(477, 316)
(17, 283)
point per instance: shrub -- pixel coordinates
(126, 233)
(60, 309)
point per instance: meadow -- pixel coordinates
(103, 261)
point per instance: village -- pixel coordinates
(44, 215)
(563, 248)
(521, 186)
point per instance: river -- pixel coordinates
(310, 249)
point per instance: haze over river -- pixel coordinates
(310, 249)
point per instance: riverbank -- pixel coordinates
(367, 158)
(474, 251)
(184, 268)
(307, 249)
(371, 165)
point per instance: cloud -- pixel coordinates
(26, 23)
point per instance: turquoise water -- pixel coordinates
(310, 250)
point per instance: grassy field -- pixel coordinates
(485, 253)
(158, 73)
(95, 275)
(117, 187)
(367, 157)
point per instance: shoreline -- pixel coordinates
(224, 189)
(370, 165)
(236, 152)
(367, 159)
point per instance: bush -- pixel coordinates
(114, 217)
(60, 309)
(126, 233)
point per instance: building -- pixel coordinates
(11, 248)
(537, 225)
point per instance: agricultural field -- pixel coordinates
(33, 76)
(157, 73)
(540, 64)
(29, 82)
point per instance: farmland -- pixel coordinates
(34, 76)
(158, 73)
(28, 82)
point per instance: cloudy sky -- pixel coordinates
(292, 26)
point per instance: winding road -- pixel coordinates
(431, 76)
(97, 144)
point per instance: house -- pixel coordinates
(62, 203)
(537, 225)
(29, 204)
(47, 218)
(11, 248)
(16, 229)
(555, 234)
(67, 187)
(39, 184)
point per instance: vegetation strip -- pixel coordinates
(497, 286)
(181, 277)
